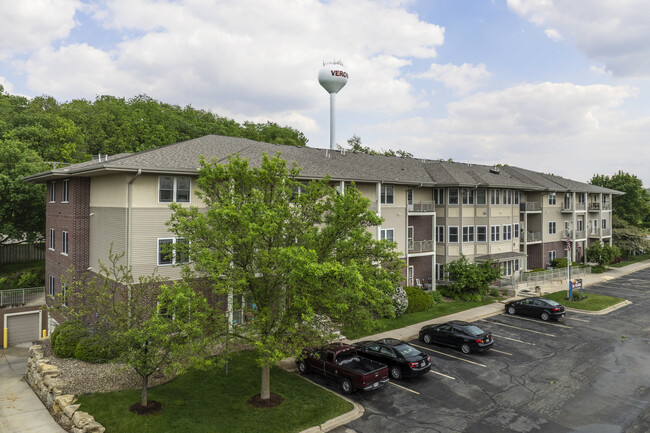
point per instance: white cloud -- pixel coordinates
(615, 33)
(28, 25)
(463, 78)
(553, 34)
(8, 87)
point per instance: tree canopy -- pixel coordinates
(634, 205)
(355, 146)
(300, 253)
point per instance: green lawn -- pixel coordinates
(439, 310)
(209, 401)
(593, 302)
(631, 260)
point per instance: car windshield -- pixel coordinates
(473, 330)
(406, 350)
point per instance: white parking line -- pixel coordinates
(442, 374)
(403, 387)
(541, 322)
(524, 329)
(513, 339)
(575, 318)
(451, 356)
(499, 351)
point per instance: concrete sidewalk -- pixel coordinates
(20, 409)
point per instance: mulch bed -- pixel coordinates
(273, 401)
(151, 408)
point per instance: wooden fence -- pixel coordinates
(21, 253)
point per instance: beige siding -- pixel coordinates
(107, 225)
(109, 191)
(145, 193)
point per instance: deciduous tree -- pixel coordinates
(634, 205)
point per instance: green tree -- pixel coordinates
(301, 253)
(602, 253)
(150, 325)
(355, 146)
(634, 205)
(471, 281)
(628, 237)
(22, 207)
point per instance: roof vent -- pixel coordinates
(495, 170)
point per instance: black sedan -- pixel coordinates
(537, 307)
(463, 335)
(402, 359)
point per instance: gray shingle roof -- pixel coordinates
(183, 158)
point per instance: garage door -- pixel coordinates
(23, 327)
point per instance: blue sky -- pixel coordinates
(558, 86)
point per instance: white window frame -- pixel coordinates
(495, 233)
(52, 240)
(494, 196)
(507, 196)
(451, 236)
(452, 200)
(481, 196)
(552, 199)
(383, 234)
(50, 287)
(604, 223)
(515, 196)
(410, 237)
(580, 225)
(515, 230)
(175, 189)
(173, 260)
(478, 234)
(515, 263)
(387, 191)
(64, 243)
(440, 234)
(409, 276)
(468, 196)
(53, 191)
(439, 196)
(468, 234)
(551, 256)
(552, 227)
(65, 195)
(507, 232)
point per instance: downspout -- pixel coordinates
(128, 217)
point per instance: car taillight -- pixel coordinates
(556, 308)
(414, 364)
(428, 358)
(479, 341)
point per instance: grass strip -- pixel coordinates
(593, 302)
(210, 401)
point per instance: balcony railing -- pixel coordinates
(35, 295)
(607, 206)
(606, 232)
(422, 206)
(530, 207)
(534, 236)
(420, 246)
(594, 206)
(581, 206)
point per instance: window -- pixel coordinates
(515, 197)
(551, 256)
(494, 233)
(52, 191)
(507, 232)
(481, 196)
(453, 196)
(50, 287)
(582, 198)
(439, 196)
(507, 268)
(172, 188)
(468, 233)
(410, 238)
(440, 271)
(516, 264)
(468, 196)
(387, 234)
(494, 196)
(515, 230)
(387, 194)
(440, 234)
(173, 251)
(64, 290)
(64, 197)
(604, 223)
(64, 243)
(552, 228)
(507, 196)
(409, 198)
(552, 198)
(481, 233)
(453, 234)
(52, 239)
(580, 225)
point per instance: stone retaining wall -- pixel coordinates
(45, 380)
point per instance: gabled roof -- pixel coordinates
(183, 158)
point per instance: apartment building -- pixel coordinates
(435, 211)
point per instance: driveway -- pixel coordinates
(586, 373)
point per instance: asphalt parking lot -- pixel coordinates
(584, 373)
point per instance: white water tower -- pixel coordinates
(332, 76)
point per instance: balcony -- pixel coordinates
(21, 297)
(594, 207)
(422, 207)
(533, 237)
(573, 234)
(530, 207)
(419, 247)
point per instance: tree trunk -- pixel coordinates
(265, 392)
(145, 388)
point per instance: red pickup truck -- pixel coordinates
(342, 363)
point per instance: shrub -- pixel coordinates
(436, 297)
(94, 348)
(68, 338)
(400, 301)
(598, 269)
(59, 328)
(561, 262)
(494, 293)
(418, 299)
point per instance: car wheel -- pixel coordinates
(511, 310)
(427, 339)
(346, 386)
(466, 349)
(396, 373)
(303, 368)
(545, 316)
